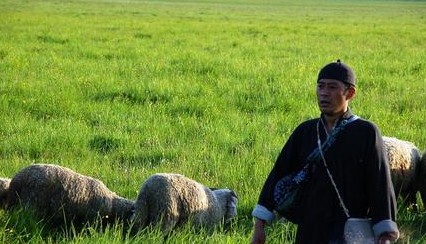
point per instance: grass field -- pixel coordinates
(119, 90)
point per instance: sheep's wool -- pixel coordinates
(4, 188)
(4, 184)
(60, 194)
(173, 199)
(400, 153)
(403, 157)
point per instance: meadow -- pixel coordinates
(120, 90)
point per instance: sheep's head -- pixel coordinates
(4, 187)
(123, 208)
(229, 200)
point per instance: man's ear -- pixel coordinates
(350, 92)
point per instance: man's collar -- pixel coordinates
(348, 114)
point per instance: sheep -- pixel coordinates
(4, 188)
(61, 196)
(403, 157)
(171, 200)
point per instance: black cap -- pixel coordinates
(338, 71)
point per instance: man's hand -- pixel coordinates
(387, 238)
(259, 236)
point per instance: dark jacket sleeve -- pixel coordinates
(381, 195)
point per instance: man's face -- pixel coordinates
(333, 96)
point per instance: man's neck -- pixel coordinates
(330, 120)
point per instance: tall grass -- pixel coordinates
(122, 89)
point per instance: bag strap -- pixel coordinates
(320, 149)
(315, 154)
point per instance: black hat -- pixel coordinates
(338, 71)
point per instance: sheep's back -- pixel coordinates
(173, 197)
(150, 201)
(403, 157)
(173, 191)
(56, 191)
(197, 201)
(193, 195)
(89, 196)
(36, 185)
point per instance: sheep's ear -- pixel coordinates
(232, 198)
(233, 193)
(231, 205)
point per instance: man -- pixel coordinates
(356, 161)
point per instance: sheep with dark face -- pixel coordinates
(61, 195)
(403, 157)
(172, 200)
(4, 188)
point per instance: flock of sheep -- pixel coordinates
(60, 195)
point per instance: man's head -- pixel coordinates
(338, 71)
(335, 88)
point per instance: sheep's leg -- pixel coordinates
(168, 223)
(423, 193)
(421, 178)
(412, 201)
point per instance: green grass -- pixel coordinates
(122, 89)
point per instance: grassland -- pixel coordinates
(211, 89)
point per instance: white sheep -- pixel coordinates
(61, 196)
(4, 188)
(173, 200)
(403, 157)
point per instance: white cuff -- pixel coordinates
(263, 213)
(385, 226)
